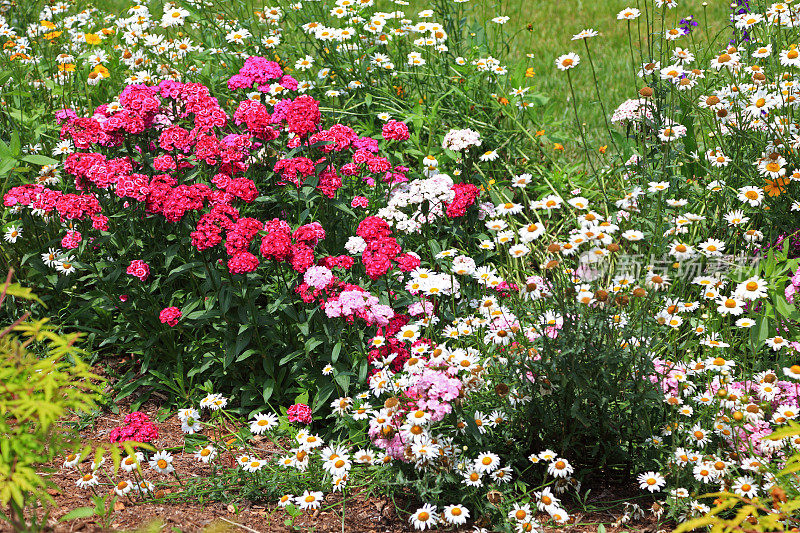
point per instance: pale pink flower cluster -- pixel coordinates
(420, 308)
(318, 277)
(434, 390)
(361, 304)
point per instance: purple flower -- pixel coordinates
(687, 24)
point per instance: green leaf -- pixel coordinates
(42, 160)
(343, 380)
(311, 344)
(16, 146)
(302, 398)
(5, 151)
(787, 310)
(269, 388)
(80, 512)
(7, 165)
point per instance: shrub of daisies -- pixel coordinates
(706, 161)
(455, 312)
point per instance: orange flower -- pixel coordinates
(603, 149)
(47, 24)
(103, 71)
(529, 72)
(92, 38)
(558, 146)
(540, 133)
(69, 67)
(776, 187)
(503, 100)
(107, 31)
(52, 35)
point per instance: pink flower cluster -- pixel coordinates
(300, 413)
(137, 427)
(73, 207)
(358, 302)
(139, 269)
(466, 194)
(278, 243)
(318, 277)
(170, 316)
(395, 131)
(382, 249)
(72, 239)
(260, 71)
(433, 391)
(359, 201)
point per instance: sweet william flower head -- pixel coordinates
(170, 316)
(300, 413)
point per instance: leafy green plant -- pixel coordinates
(103, 508)
(38, 389)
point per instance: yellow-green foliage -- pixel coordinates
(42, 378)
(779, 513)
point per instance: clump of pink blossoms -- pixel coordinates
(299, 412)
(138, 427)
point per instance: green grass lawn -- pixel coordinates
(554, 22)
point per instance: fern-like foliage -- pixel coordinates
(42, 379)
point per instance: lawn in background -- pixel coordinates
(552, 25)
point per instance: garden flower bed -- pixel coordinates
(345, 259)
